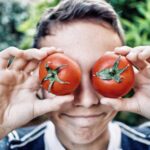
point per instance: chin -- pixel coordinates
(84, 135)
(81, 130)
(77, 134)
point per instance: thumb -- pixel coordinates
(121, 104)
(48, 105)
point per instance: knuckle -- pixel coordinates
(126, 47)
(132, 56)
(5, 50)
(28, 51)
(11, 48)
(48, 48)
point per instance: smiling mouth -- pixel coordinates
(83, 116)
(82, 120)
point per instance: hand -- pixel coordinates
(140, 102)
(19, 85)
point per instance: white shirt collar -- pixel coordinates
(52, 142)
(50, 138)
(115, 136)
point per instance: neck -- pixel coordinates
(100, 143)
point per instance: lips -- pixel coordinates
(82, 120)
(83, 116)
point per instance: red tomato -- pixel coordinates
(112, 75)
(59, 74)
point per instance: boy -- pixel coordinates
(84, 30)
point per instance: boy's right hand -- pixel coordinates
(19, 85)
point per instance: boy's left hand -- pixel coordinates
(140, 102)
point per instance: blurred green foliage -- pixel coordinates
(12, 14)
(28, 27)
(135, 17)
(18, 23)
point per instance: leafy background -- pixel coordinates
(18, 21)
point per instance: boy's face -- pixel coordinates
(86, 119)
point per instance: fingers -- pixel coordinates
(145, 54)
(27, 59)
(8, 53)
(51, 50)
(139, 56)
(124, 50)
(18, 64)
(48, 105)
(31, 66)
(40, 54)
(133, 54)
(34, 54)
(122, 104)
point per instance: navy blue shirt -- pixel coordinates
(32, 138)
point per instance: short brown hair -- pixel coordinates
(69, 10)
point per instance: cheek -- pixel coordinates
(54, 117)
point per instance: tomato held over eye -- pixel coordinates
(59, 74)
(112, 76)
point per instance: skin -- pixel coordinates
(19, 85)
(85, 119)
(139, 103)
(85, 42)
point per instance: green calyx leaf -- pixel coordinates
(113, 73)
(52, 76)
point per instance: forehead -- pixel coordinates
(85, 42)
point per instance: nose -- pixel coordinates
(85, 95)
